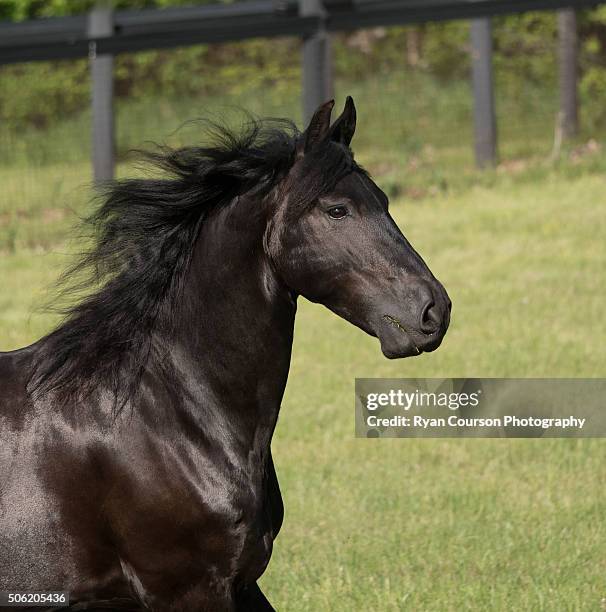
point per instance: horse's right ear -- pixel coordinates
(317, 129)
(343, 128)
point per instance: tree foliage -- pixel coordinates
(18, 10)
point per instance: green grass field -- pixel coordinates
(455, 525)
(415, 524)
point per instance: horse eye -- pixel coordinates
(337, 212)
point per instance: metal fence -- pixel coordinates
(102, 34)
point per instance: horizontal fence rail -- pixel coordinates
(69, 37)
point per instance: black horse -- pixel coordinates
(135, 463)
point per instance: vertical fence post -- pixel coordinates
(568, 68)
(483, 93)
(317, 61)
(100, 23)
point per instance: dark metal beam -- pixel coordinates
(373, 13)
(483, 93)
(569, 72)
(102, 77)
(317, 62)
(67, 37)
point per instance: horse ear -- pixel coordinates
(318, 127)
(344, 127)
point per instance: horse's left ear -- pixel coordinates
(318, 128)
(343, 128)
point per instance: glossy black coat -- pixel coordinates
(135, 462)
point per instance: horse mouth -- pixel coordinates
(398, 325)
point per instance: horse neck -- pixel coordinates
(234, 328)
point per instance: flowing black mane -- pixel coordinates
(143, 236)
(138, 433)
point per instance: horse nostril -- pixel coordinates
(430, 318)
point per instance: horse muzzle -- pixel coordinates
(416, 326)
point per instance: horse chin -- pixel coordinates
(399, 351)
(396, 343)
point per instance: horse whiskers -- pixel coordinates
(399, 325)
